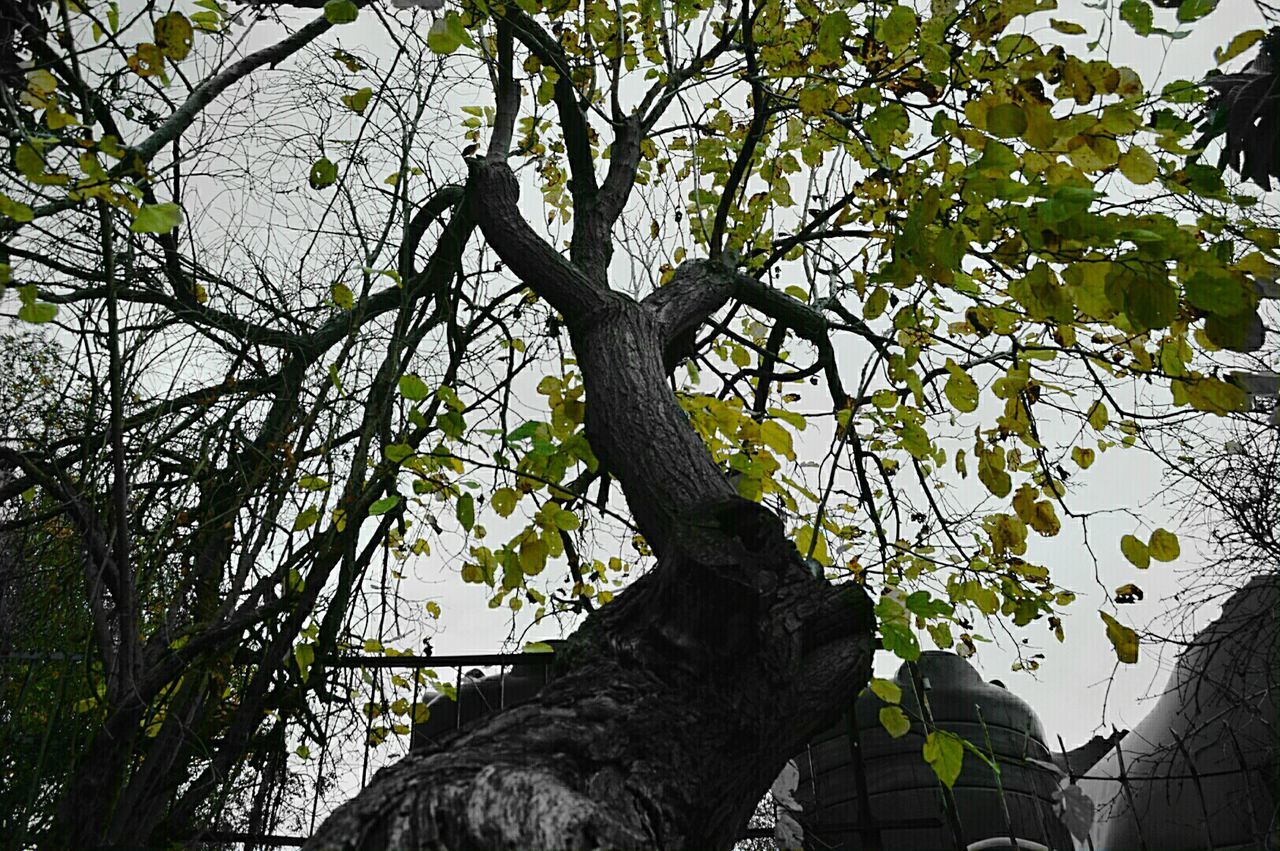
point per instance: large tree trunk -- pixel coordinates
(677, 704)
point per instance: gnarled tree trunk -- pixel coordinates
(677, 704)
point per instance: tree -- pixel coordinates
(963, 230)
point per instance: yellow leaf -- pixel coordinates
(777, 438)
(504, 501)
(1123, 639)
(1242, 42)
(944, 752)
(894, 721)
(886, 690)
(533, 555)
(147, 60)
(1135, 551)
(1163, 545)
(358, 101)
(805, 538)
(1098, 416)
(1083, 457)
(173, 36)
(1138, 165)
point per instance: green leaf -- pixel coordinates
(341, 11)
(342, 296)
(358, 101)
(1137, 14)
(831, 33)
(305, 654)
(997, 158)
(1135, 551)
(447, 34)
(882, 125)
(1083, 457)
(895, 721)
(898, 28)
(173, 35)
(533, 555)
(566, 520)
(156, 218)
(1138, 165)
(397, 452)
(323, 174)
(313, 483)
(37, 312)
(15, 210)
(1239, 44)
(1163, 545)
(1007, 120)
(466, 511)
(1218, 294)
(413, 388)
(1150, 301)
(1123, 639)
(1215, 396)
(961, 390)
(886, 690)
(307, 517)
(1066, 27)
(1242, 332)
(1194, 10)
(504, 501)
(899, 640)
(875, 304)
(944, 752)
(384, 505)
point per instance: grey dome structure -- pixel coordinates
(862, 788)
(1203, 767)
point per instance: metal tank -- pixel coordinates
(478, 695)
(862, 789)
(1202, 769)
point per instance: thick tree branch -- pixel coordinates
(755, 132)
(507, 95)
(573, 119)
(493, 194)
(426, 215)
(699, 288)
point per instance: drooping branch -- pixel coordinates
(204, 94)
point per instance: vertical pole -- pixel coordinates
(1124, 784)
(948, 798)
(868, 829)
(1071, 776)
(995, 772)
(1195, 778)
(457, 700)
(1255, 833)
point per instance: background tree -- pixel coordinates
(307, 340)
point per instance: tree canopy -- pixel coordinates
(812, 314)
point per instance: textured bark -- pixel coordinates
(677, 704)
